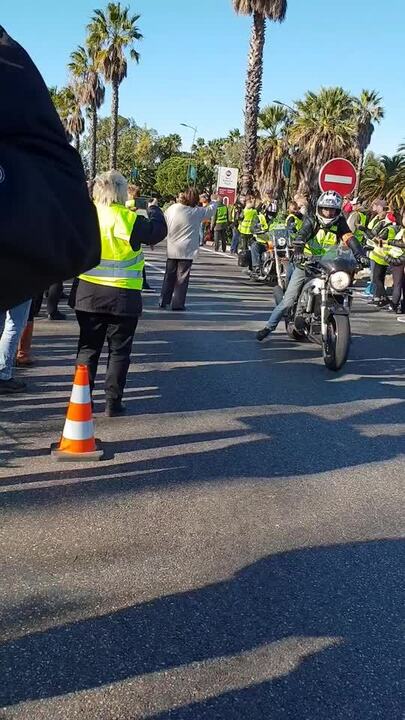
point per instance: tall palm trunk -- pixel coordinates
(93, 141)
(252, 100)
(114, 125)
(359, 172)
(77, 141)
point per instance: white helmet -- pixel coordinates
(329, 199)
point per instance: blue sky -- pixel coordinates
(193, 57)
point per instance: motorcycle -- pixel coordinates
(322, 312)
(275, 259)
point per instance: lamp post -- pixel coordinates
(191, 127)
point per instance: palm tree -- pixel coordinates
(369, 111)
(74, 115)
(83, 68)
(324, 127)
(113, 32)
(261, 10)
(68, 106)
(273, 121)
(384, 177)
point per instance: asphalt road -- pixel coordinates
(239, 553)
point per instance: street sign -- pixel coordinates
(287, 165)
(227, 184)
(339, 175)
(192, 173)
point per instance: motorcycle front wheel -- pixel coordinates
(336, 349)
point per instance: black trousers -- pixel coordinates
(220, 237)
(54, 294)
(119, 331)
(398, 290)
(379, 274)
(175, 283)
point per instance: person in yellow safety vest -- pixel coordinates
(107, 298)
(261, 239)
(388, 250)
(294, 219)
(398, 271)
(357, 219)
(220, 225)
(249, 219)
(317, 235)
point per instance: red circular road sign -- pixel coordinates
(339, 175)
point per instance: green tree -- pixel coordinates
(260, 10)
(325, 126)
(369, 112)
(171, 176)
(384, 177)
(113, 32)
(273, 123)
(68, 106)
(83, 69)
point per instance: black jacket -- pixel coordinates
(312, 225)
(48, 226)
(89, 297)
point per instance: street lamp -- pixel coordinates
(191, 127)
(291, 109)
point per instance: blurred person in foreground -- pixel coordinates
(48, 226)
(107, 299)
(183, 219)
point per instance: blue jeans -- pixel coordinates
(12, 323)
(235, 240)
(201, 233)
(257, 249)
(294, 288)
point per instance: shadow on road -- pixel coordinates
(351, 595)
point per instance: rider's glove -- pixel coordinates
(298, 253)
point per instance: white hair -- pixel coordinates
(110, 187)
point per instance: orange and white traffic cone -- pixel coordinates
(78, 441)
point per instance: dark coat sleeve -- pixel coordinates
(305, 233)
(149, 231)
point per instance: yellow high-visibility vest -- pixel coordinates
(120, 266)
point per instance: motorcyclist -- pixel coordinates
(318, 234)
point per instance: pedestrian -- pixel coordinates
(49, 230)
(398, 271)
(107, 299)
(357, 219)
(12, 324)
(220, 225)
(183, 223)
(205, 225)
(347, 206)
(248, 220)
(234, 218)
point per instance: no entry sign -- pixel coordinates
(339, 175)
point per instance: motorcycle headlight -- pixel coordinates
(340, 280)
(281, 242)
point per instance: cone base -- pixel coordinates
(63, 456)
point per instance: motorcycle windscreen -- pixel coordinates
(338, 258)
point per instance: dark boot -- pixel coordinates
(114, 408)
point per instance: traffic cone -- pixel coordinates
(78, 441)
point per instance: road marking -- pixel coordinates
(343, 179)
